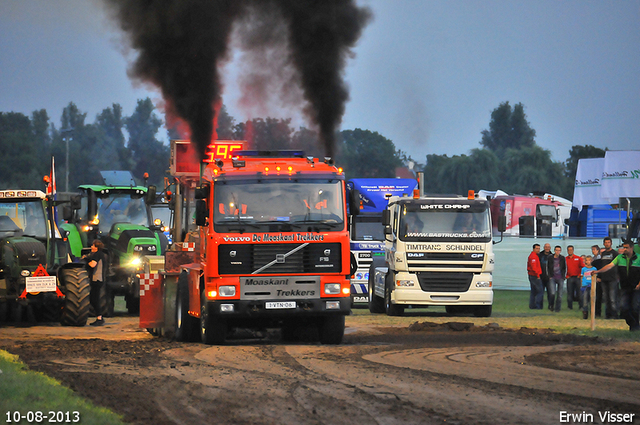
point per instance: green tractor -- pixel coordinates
(118, 213)
(37, 278)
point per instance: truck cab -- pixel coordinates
(438, 252)
(368, 199)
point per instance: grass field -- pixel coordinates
(25, 391)
(510, 310)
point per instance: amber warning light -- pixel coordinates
(185, 161)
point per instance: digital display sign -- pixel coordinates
(184, 160)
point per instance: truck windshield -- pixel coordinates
(470, 224)
(24, 216)
(121, 208)
(282, 204)
(367, 229)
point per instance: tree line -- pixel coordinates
(508, 157)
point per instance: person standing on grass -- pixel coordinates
(96, 262)
(586, 286)
(608, 281)
(544, 255)
(574, 266)
(628, 266)
(556, 270)
(535, 271)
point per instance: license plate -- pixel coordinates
(279, 305)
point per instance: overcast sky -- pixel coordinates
(426, 73)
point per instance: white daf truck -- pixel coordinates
(438, 252)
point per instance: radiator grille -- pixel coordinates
(444, 282)
(243, 259)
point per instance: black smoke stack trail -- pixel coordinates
(180, 44)
(322, 33)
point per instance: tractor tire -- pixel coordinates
(482, 310)
(76, 303)
(331, 329)
(213, 330)
(186, 329)
(390, 308)
(4, 309)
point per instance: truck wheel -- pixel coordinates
(213, 330)
(331, 329)
(76, 303)
(376, 304)
(186, 325)
(482, 311)
(390, 308)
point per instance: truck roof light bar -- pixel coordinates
(329, 160)
(471, 194)
(271, 154)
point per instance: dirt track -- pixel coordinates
(422, 374)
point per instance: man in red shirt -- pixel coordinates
(574, 268)
(534, 271)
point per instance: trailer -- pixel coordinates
(540, 215)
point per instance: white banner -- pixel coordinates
(587, 190)
(621, 175)
(41, 284)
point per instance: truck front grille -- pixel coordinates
(444, 282)
(244, 259)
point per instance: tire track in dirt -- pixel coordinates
(507, 366)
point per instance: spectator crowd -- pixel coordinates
(617, 276)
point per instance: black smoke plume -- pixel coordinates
(182, 43)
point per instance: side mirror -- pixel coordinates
(76, 202)
(202, 191)
(151, 195)
(201, 212)
(354, 202)
(67, 213)
(502, 223)
(386, 218)
(387, 230)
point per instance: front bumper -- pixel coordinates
(416, 296)
(248, 309)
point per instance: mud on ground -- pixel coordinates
(422, 374)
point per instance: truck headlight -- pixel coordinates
(484, 284)
(227, 291)
(331, 288)
(404, 283)
(138, 248)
